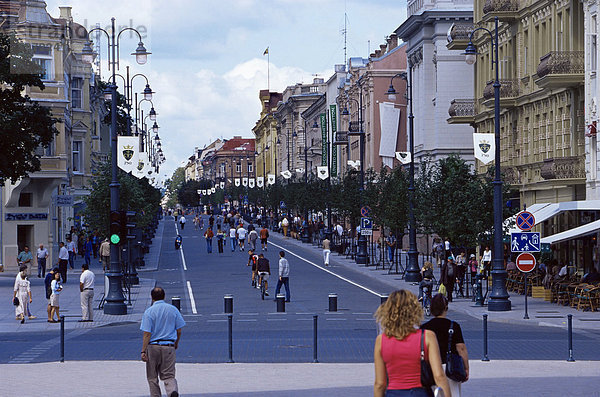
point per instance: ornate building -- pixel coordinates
(265, 132)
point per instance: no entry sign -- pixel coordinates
(525, 262)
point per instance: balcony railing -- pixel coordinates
(462, 108)
(563, 168)
(500, 6)
(460, 31)
(508, 89)
(561, 62)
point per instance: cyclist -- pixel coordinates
(264, 270)
(252, 262)
(427, 275)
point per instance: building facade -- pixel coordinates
(265, 133)
(233, 164)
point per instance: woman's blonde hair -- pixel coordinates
(400, 315)
(428, 265)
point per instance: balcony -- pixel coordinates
(505, 10)
(461, 111)
(563, 168)
(458, 36)
(509, 91)
(560, 69)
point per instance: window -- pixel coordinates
(593, 46)
(238, 167)
(250, 168)
(25, 199)
(77, 156)
(42, 55)
(76, 92)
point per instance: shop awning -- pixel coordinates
(580, 231)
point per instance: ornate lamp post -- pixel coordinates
(498, 300)
(115, 300)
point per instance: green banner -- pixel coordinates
(323, 119)
(334, 149)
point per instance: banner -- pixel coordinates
(322, 172)
(334, 148)
(204, 192)
(300, 170)
(127, 152)
(389, 117)
(354, 164)
(237, 182)
(286, 174)
(143, 167)
(485, 147)
(403, 157)
(209, 192)
(213, 190)
(260, 181)
(251, 183)
(244, 182)
(222, 185)
(271, 179)
(323, 120)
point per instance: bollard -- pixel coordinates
(526, 316)
(485, 339)
(315, 317)
(384, 298)
(280, 303)
(228, 303)
(479, 294)
(230, 336)
(176, 301)
(62, 339)
(333, 302)
(570, 332)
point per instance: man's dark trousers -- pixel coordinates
(62, 268)
(286, 282)
(41, 267)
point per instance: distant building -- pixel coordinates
(233, 164)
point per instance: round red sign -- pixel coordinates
(525, 262)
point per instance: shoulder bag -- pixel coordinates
(16, 301)
(455, 367)
(427, 379)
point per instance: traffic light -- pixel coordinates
(115, 227)
(128, 224)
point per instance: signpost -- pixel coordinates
(366, 226)
(525, 220)
(525, 263)
(525, 242)
(365, 211)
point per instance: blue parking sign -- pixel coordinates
(525, 242)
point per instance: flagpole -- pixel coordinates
(268, 70)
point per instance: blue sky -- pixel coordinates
(208, 65)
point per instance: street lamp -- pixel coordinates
(115, 300)
(412, 270)
(498, 300)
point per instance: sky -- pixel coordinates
(207, 64)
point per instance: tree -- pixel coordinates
(174, 184)
(25, 126)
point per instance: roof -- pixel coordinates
(241, 144)
(9, 7)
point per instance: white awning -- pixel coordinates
(580, 231)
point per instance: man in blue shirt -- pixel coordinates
(161, 325)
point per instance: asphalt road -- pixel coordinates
(262, 335)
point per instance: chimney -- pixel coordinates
(65, 13)
(383, 48)
(392, 41)
(377, 53)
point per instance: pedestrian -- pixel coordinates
(448, 276)
(390, 242)
(232, 238)
(25, 257)
(105, 255)
(220, 238)
(22, 292)
(326, 250)
(89, 248)
(48, 284)
(398, 349)
(473, 265)
(72, 248)
(264, 236)
(95, 243)
(284, 276)
(426, 279)
(284, 225)
(63, 259)
(42, 256)
(241, 235)
(208, 234)
(86, 287)
(486, 260)
(252, 237)
(182, 221)
(447, 248)
(56, 288)
(196, 222)
(461, 270)
(441, 326)
(161, 325)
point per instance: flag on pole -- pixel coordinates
(266, 51)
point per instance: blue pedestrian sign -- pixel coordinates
(525, 220)
(282, 204)
(525, 242)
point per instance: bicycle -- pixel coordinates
(263, 284)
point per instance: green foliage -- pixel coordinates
(24, 124)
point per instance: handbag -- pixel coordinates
(455, 367)
(442, 289)
(16, 301)
(427, 379)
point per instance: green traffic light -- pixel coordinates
(115, 239)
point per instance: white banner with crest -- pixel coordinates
(127, 152)
(484, 145)
(271, 179)
(260, 181)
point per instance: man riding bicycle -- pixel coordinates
(427, 282)
(264, 270)
(252, 259)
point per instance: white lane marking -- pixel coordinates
(248, 314)
(248, 320)
(216, 321)
(335, 319)
(362, 314)
(277, 319)
(182, 257)
(329, 271)
(192, 301)
(365, 319)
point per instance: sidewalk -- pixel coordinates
(541, 312)
(70, 305)
(127, 378)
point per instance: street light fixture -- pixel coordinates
(498, 300)
(148, 93)
(152, 114)
(155, 128)
(141, 55)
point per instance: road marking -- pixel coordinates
(248, 314)
(277, 319)
(304, 319)
(363, 314)
(216, 321)
(192, 301)
(247, 320)
(182, 257)
(335, 319)
(329, 271)
(365, 319)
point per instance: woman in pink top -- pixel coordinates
(398, 349)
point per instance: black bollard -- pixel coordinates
(280, 303)
(230, 336)
(228, 303)
(384, 298)
(526, 316)
(62, 339)
(479, 294)
(315, 318)
(570, 332)
(333, 302)
(485, 339)
(176, 301)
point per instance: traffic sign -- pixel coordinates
(525, 242)
(525, 220)
(366, 226)
(282, 204)
(525, 262)
(365, 211)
